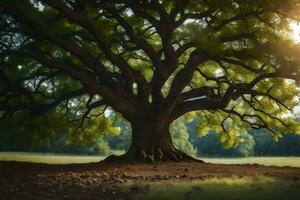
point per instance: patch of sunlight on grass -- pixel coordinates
(248, 188)
(268, 161)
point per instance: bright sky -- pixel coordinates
(295, 28)
(297, 109)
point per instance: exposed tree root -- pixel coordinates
(153, 156)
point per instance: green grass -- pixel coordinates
(48, 158)
(249, 188)
(68, 159)
(268, 161)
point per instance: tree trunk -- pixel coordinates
(151, 142)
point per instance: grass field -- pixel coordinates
(268, 161)
(48, 158)
(247, 188)
(68, 159)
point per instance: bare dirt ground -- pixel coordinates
(102, 181)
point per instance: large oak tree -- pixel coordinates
(152, 61)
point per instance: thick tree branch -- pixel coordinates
(183, 78)
(140, 42)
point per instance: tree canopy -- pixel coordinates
(232, 63)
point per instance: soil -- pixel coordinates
(20, 180)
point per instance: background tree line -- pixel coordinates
(185, 134)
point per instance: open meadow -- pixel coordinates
(50, 158)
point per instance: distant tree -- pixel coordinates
(13, 139)
(122, 140)
(152, 61)
(180, 137)
(246, 147)
(289, 145)
(209, 147)
(253, 143)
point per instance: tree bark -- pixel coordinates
(151, 142)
